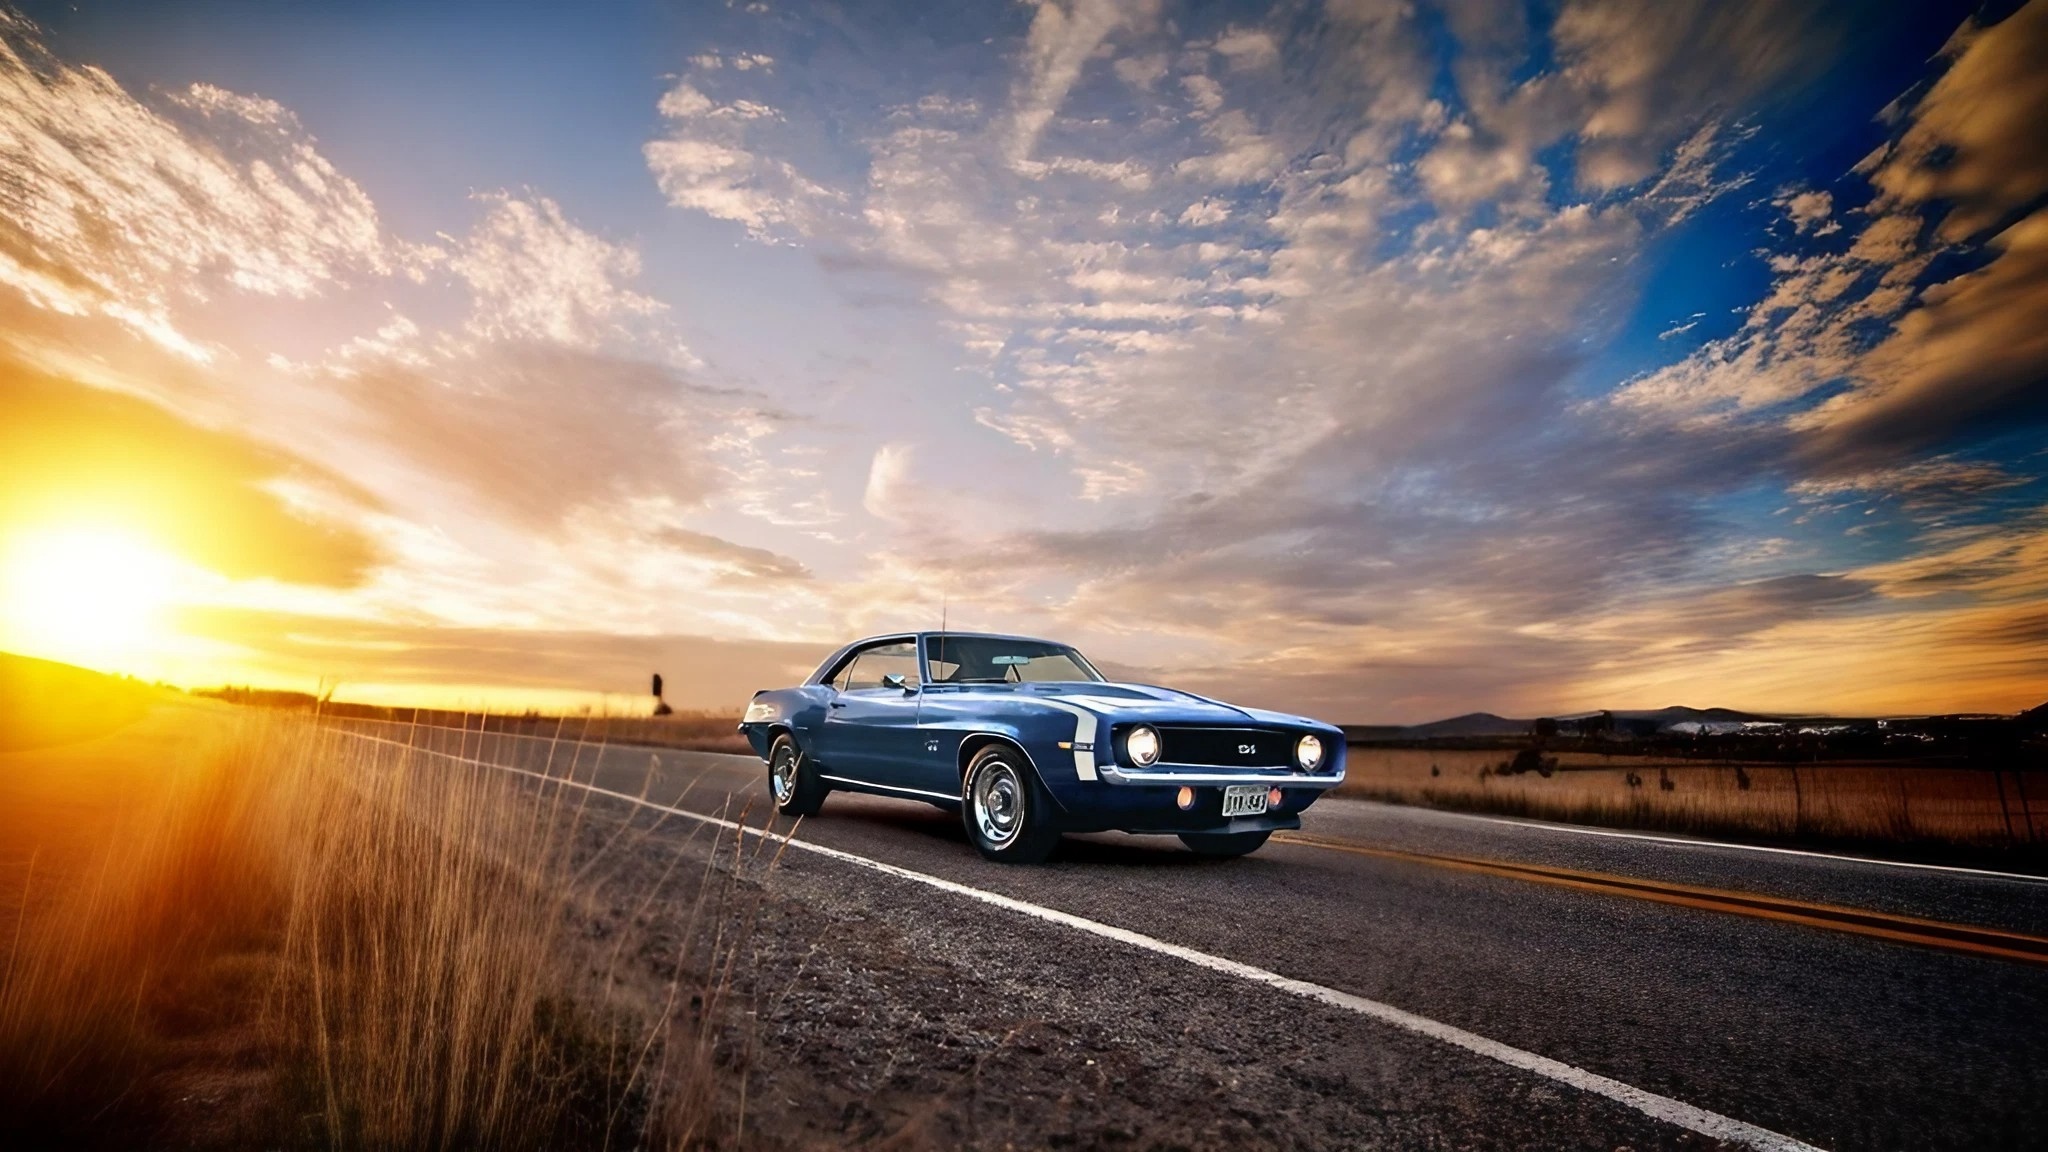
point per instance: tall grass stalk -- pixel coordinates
(97, 954)
(419, 989)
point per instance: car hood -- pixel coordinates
(1137, 702)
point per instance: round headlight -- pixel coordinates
(1142, 744)
(1308, 752)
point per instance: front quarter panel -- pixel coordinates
(797, 710)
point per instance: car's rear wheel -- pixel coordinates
(1224, 845)
(792, 783)
(1006, 811)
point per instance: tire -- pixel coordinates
(1007, 813)
(1224, 845)
(792, 783)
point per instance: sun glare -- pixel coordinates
(94, 596)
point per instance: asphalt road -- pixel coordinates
(1840, 1039)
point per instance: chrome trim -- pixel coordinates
(1202, 776)
(996, 801)
(889, 787)
(782, 771)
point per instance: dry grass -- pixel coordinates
(351, 945)
(117, 935)
(1968, 809)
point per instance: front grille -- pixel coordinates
(1227, 747)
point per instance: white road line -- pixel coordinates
(1650, 1104)
(1691, 842)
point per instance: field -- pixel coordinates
(229, 928)
(698, 731)
(1886, 806)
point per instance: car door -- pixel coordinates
(870, 731)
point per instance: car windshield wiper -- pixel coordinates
(979, 680)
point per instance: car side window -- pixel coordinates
(868, 668)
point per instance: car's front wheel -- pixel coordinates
(1224, 845)
(792, 783)
(1006, 811)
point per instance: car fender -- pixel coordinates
(797, 710)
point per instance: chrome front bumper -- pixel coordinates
(1196, 775)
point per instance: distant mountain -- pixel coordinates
(1642, 723)
(1470, 725)
(1679, 713)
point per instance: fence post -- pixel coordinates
(2019, 781)
(1998, 779)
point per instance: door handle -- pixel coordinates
(838, 704)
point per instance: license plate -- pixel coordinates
(1244, 799)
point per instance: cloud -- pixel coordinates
(743, 560)
(1205, 212)
(1342, 444)
(705, 164)
(116, 207)
(888, 492)
(1248, 48)
(504, 425)
(1972, 356)
(1849, 349)
(1646, 76)
(1141, 72)
(1974, 142)
(535, 276)
(1335, 417)
(76, 453)
(1064, 35)
(1810, 211)
(1938, 485)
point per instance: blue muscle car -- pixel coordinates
(1026, 740)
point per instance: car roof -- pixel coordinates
(883, 637)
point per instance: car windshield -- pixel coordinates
(990, 660)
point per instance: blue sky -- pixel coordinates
(1384, 359)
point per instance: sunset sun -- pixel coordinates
(91, 595)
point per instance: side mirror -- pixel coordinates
(894, 680)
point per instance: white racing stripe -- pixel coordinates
(1664, 1108)
(1084, 733)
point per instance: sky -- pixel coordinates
(1377, 359)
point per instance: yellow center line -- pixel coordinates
(1961, 938)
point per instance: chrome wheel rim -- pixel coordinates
(998, 803)
(782, 774)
